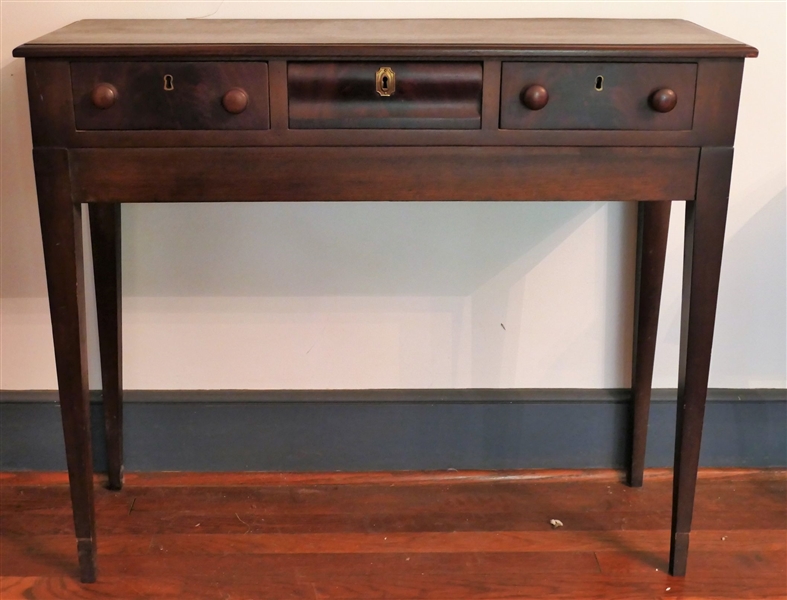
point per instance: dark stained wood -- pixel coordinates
(61, 228)
(104, 96)
(716, 107)
(705, 223)
(49, 99)
(380, 174)
(143, 99)
(386, 37)
(192, 125)
(490, 101)
(235, 101)
(105, 241)
(279, 100)
(386, 137)
(534, 97)
(663, 100)
(714, 122)
(652, 229)
(576, 102)
(343, 95)
(357, 557)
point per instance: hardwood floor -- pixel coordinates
(403, 536)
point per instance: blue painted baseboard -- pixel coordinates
(394, 430)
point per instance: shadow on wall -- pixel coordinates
(345, 249)
(755, 260)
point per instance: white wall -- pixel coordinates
(404, 295)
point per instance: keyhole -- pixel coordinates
(168, 83)
(385, 81)
(599, 83)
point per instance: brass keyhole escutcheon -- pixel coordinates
(169, 83)
(386, 81)
(599, 83)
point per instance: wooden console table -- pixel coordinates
(516, 110)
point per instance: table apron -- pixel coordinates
(285, 174)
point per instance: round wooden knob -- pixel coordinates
(235, 100)
(104, 95)
(535, 97)
(663, 100)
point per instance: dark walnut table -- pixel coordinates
(254, 111)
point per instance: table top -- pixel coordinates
(479, 37)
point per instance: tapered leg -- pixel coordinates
(705, 222)
(652, 228)
(105, 240)
(61, 229)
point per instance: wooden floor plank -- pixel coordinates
(560, 540)
(400, 537)
(429, 478)
(60, 588)
(704, 564)
(163, 522)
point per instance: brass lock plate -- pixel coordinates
(385, 81)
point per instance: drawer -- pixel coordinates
(384, 95)
(645, 96)
(170, 95)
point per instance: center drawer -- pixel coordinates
(384, 95)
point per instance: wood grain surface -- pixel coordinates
(194, 102)
(356, 37)
(603, 96)
(52, 113)
(382, 174)
(426, 95)
(452, 535)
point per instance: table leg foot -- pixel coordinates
(86, 550)
(115, 481)
(678, 554)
